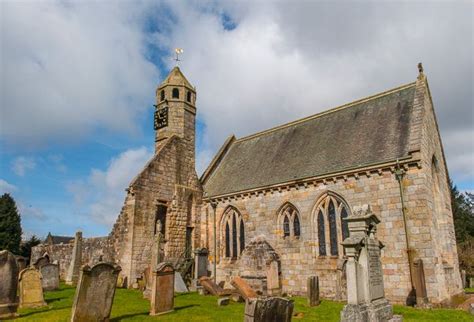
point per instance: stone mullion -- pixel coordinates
(327, 230)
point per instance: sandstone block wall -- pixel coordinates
(92, 250)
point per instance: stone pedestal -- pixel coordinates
(8, 285)
(365, 290)
(162, 293)
(313, 291)
(76, 261)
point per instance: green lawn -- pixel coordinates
(469, 289)
(129, 305)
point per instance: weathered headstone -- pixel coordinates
(268, 310)
(223, 301)
(21, 262)
(162, 294)
(148, 283)
(365, 290)
(50, 273)
(313, 291)
(244, 289)
(43, 260)
(76, 261)
(8, 285)
(95, 293)
(210, 286)
(200, 262)
(31, 289)
(179, 285)
(273, 279)
(471, 282)
(463, 278)
(419, 282)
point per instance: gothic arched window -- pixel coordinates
(289, 221)
(234, 234)
(321, 234)
(175, 93)
(331, 210)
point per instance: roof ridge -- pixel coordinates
(332, 110)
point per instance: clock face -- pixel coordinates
(161, 118)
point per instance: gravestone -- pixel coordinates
(8, 285)
(31, 288)
(43, 260)
(21, 262)
(268, 310)
(76, 261)
(95, 293)
(463, 278)
(471, 282)
(313, 291)
(148, 283)
(419, 282)
(210, 286)
(50, 273)
(162, 293)
(244, 289)
(200, 266)
(273, 279)
(365, 290)
(179, 285)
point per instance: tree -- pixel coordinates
(463, 214)
(25, 249)
(10, 224)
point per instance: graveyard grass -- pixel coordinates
(129, 305)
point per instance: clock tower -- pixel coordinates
(175, 111)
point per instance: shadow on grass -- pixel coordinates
(179, 308)
(119, 318)
(42, 310)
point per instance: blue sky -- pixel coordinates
(78, 81)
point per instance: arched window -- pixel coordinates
(286, 227)
(242, 236)
(175, 93)
(162, 95)
(331, 210)
(332, 228)
(289, 221)
(321, 234)
(188, 96)
(233, 231)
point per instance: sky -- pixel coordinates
(77, 84)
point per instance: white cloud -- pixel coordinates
(6, 187)
(284, 61)
(30, 212)
(104, 190)
(71, 68)
(21, 165)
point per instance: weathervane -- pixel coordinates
(177, 52)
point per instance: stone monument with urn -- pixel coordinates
(365, 290)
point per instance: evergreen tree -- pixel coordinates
(25, 249)
(463, 214)
(10, 226)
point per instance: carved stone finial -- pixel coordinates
(420, 71)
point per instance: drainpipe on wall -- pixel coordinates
(399, 173)
(214, 206)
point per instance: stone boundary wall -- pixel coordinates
(92, 250)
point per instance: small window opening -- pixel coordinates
(162, 95)
(286, 227)
(188, 97)
(175, 93)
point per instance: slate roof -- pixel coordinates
(53, 240)
(364, 132)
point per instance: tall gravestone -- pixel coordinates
(31, 288)
(156, 258)
(162, 293)
(463, 278)
(50, 273)
(273, 279)
(365, 290)
(268, 309)
(420, 283)
(76, 261)
(313, 291)
(95, 293)
(8, 285)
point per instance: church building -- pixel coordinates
(274, 202)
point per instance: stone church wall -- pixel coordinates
(92, 250)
